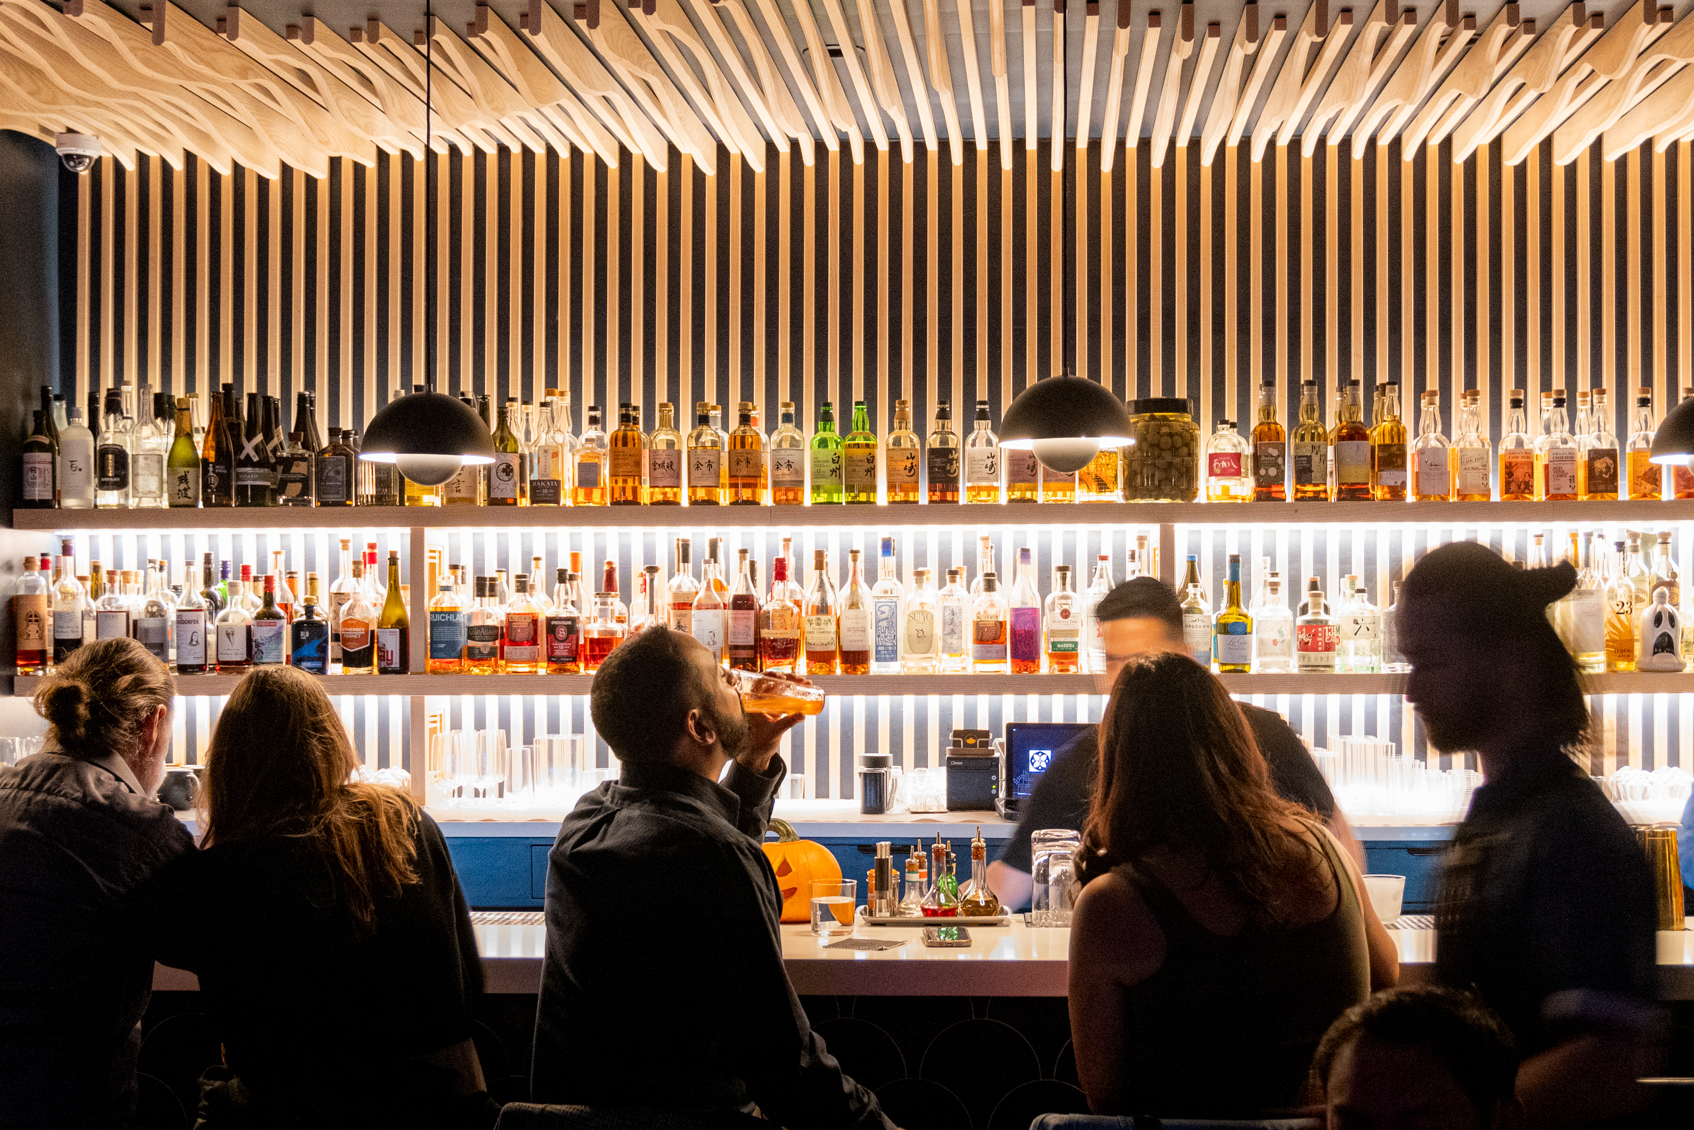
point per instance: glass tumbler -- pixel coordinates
(833, 904)
(1054, 860)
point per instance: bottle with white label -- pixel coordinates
(1273, 630)
(743, 616)
(1232, 628)
(788, 461)
(1358, 630)
(919, 632)
(709, 621)
(70, 607)
(155, 622)
(982, 459)
(887, 597)
(151, 443)
(267, 631)
(1196, 616)
(1556, 455)
(1350, 443)
(664, 460)
(705, 459)
(1473, 453)
(112, 616)
(230, 631)
(952, 606)
(191, 626)
(682, 590)
(853, 619)
(1062, 618)
(988, 627)
(1432, 456)
(1314, 632)
(819, 627)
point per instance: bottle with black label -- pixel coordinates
(308, 638)
(295, 479)
(274, 442)
(111, 457)
(253, 467)
(334, 471)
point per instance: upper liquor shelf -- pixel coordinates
(1647, 512)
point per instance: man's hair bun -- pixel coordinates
(96, 702)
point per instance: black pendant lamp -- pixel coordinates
(428, 435)
(1065, 420)
(1673, 443)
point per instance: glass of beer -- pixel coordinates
(773, 694)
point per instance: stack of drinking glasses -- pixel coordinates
(478, 768)
(1056, 887)
(1369, 779)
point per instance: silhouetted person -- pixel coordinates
(1546, 904)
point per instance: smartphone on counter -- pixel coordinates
(946, 937)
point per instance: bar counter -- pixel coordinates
(1002, 961)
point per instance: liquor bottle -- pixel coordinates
(941, 457)
(270, 426)
(298, 480)
(1024, 619)
(74, 474)
(603, 633)
(544, 462)
(859, 458)
(645, 609)
(502, 474)
(182, 465)
(1639, 572)
(155, 619)
(32, 613)
(743, 617)
(627, 454)
(1665, 575)
(988, 631)
(704, 459)
(266, 629)
(1270, 450)
(714, 417)
(520, 636)
(661, 457)
(1472, 456)
(112, 478)
(853, 619)
(1229, 475)
(308, 638)
(919, 641)
(1314, 632)
(564, 628)
(1022, 471)
(942, 898)
(191, 623)
(484, 624)
(1273, 630)
(1232, 628)
(1579, 617)
(1098, 586)
(788, 460)
(1063, 622)
(1556, 456)
(332, 471)
(1100, 480)
(982, 459)
(69, 604)
(1358, 632)
(393, 629)
(764, 463)
(148, 446)
(780, 624)
(888, 598)
(905, 458)
(232, 645)
(446, 630)
(1388, 446)
(1057, 486)
(828, 483)
(357, 623)
(1311, 449)
(976, 900)
(1620, 611)
(1196, 616)
(1646, 478)
(215, 488)
(1597, 470)
(821, 641)
(1517, 453)
(746, 459)
(1434, 465)
(709, 620)
(38, 465)
(953, 611)
(252, 460)
(682, 590)
(1351, 442)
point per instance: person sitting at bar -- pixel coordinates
(325, 922)
(1546, 906)
(1144, 617)
(79, 829)
(1418, 1059)
(1220, 929)
(663, 984)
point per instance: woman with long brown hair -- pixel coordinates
(327, 928)
(1220, 928)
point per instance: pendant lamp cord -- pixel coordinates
(429, 200)
(1069, 182)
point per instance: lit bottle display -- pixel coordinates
(828, 482)
(1388, 447)
(853, 619)
(988, 627)
(982, 459)
(520, 635)
(746, 460)
(1196, 615)
(1646, 478)
(941, 457)
(1062, 621)
(1232, 628)
(788, 460)
(1517, 453)
(887, 606)
(859, 459)
(1315, 636)
(743, 616)
(904, 458)
(780, 624)
(1270, 450)
(1311, 449)
(1432, 463)
(1023, 647)
(591, 465)
(1229, 470)
(1556, 456)
(822, 644)
(1350, 441)
(626, 457)
(1472, 454)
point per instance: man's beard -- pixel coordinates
(1454, 730)
(732, 731)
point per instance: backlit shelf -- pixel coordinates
(856, 517)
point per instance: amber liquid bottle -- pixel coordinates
(941, 457)
(1351, 441)
(1388, 447)
(628, 458)
(1270, 451)
(746, 459)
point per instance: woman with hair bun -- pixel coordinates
(79, 830)
(325, 922)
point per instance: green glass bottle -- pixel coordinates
(182, 465)
(503, 473)
(827, 479)
(858, 458)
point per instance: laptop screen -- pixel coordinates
(1031, 748)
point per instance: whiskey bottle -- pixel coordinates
(1023, 648)
(1311, 449)
(1388, 447)
(941, 457)
(1598, 470)
(822, 641)
(1556, 456)
(564, 627)
(1472, 456)
(746, 458)
(919, 639)
(446, 630)
(1232, 629)
(952, 605)
(859, 458)
(664, 460)
(1063, 623)
(628, 458)
(1229, 476)
(1270, 450)
(1351, 441)
(709, 622)
(1517, 453)
(787, 460)
(590, 475)
(743, 616)
(905, 457)
(1314, 632)
(853, 620)
(38, 465)
(705, 457)
(1432, 457)
(520, 634)
(780, 624)
(1646, 478)
(828, 480)
(988, 627)
(32, 614)
(982, 460)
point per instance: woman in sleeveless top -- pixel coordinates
(1220, 929)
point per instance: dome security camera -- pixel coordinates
(77, 150)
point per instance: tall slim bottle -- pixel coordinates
(859, 458)
(1646, 478)
(905, 458)
(709, 622)
(821, 640)
(75, 472)
(393, 632)
(1352, 444)
(1311, 449)
(1232, 628)
(828, 483)
(1196, 616)
(1093, 635)
(1432, 463)
(1556, 456)
(941, 457)
(888, 597)
(149, 447)
(191, 625)
(665, 458)
(952, 606)
(1024, 616)
(627, 454)
(1270, 450)
(112, 483)
(38, 465)
(1062, 621)
(1517, 453)
(920, 650)
(982, 459)
(853, 620)
(788, 460)
(743, 617)
(252, 461)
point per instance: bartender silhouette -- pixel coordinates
(1546, 906)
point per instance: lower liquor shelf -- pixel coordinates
(855, 685)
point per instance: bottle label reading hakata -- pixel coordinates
(522, 644)
(787, 469)
(944, 467)
(1433, 479)
(67, 635)
(820, 633)
(1224, 464)
(265, 638)
(903, 467)
(482, 642)
(664, 469)
(920, 633)
(1390, 464)
(745, 464)
(446, 634)
(545, 492)
(503, 477)
(860, 470)
(1561, 471)
(885, 635)
(115, 625)
(1315, 644)
(626, 462)
(232, 643)
(1026, 635)
(191, 637)
(391, 650)
(38, 476)
(952, 629)
(564, 638)
(1311, 464)
(743, 627)
(826, 467)
(703, 465)
(1352, 463)
(153, 634)
(855, 629)
(1064, 632)
(982, 466)
(1233, 644)
(988, 639)
(1602, 470)
(1022, 468)
(1269, 463)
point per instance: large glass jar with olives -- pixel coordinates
(1163, 462)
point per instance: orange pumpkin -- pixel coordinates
(796, 863)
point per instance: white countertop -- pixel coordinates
(1010, 961)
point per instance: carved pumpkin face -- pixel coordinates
(796, 863)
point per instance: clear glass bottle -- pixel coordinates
(682, 590)
(1580, 615)
(709, 620)
(982, 459)
(1024, 616)
(1063, 622)
(828, 483)
(1098, 587)
(780, 624)
(1620, 611)
(1556, 456)
(853, 619)
(1273, 630)
(976, 900)
(953, 610)
(1359, 633)
(859, 458)
(627, 459)
(112, 482)
(230, 632)
(665, 458)
(267, 631)
(1232, 627)
(155, 621)
(1646, 478)
(1311, 449)
(822, 642)
(788, 460)
(1518, 463)
(746, 459)
(888, 597)
(603, 632)
(1472, 456)
(1598, 471)
(920, 639)
(645, 610)
(1388, 447)
(1229, 471)
(32, 619)
(904, 458)
(989, 615)
(705, 458)
(941, 900)
(564, 627)
(71, 607)
(590, 480)
(1196, 616)
(743, 615)
(1314, 632)
(1352, 443)
(941, 457)
(150, 446)
(1432, 456)
(358, 626)
(1393, 658)
(1021, 471)
(1664, 574)
(1270, 450)
(484, 625)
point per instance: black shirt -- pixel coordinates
(1547, 906)
(663, 984)
(308, 1012)
(1061, 797)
